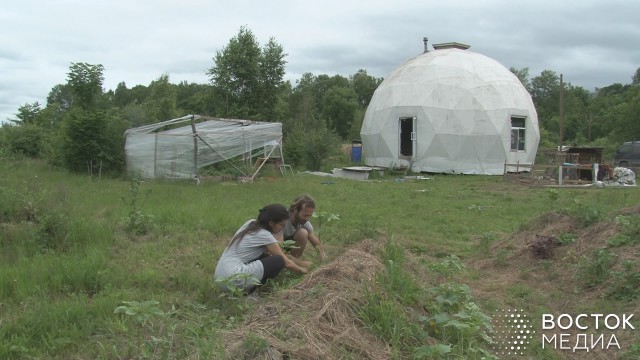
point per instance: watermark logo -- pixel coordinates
(584, 332)
(512, 332)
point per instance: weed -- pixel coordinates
(630, 231)
(619, 240)
(252, 346)
(570, 256)
(383, 310)
(10, 204)
(449, 266)
(485, 242)
(587, 213)
(553, 195)
(566, 238)
(520, 291)
(367, 229)
(397, 282)
(626, 282)
(386, 319)
(137, 222)
(54, 232)
(501, 258)
(594, 270)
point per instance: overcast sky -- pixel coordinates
(592, 43)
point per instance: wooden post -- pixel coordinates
(560, 174)
(195, 145)
(561, 114)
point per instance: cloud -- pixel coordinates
(592, 43)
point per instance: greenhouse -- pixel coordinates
(178, 148)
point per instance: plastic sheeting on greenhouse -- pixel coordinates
(178, 153)
(450, 111)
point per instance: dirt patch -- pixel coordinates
(633, 210)
(534, 269)
(317, 319)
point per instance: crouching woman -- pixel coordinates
(253, 256)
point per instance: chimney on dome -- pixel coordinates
(425, 40)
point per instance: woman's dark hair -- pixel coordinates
(302, 202)
(273, 212)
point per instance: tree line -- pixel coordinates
(83, 124)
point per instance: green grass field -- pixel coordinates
(122, 269)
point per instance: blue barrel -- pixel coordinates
(356, 151)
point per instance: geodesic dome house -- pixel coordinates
(169, 151)
(450, 111)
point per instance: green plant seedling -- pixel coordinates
(288, 245)
(140, 311)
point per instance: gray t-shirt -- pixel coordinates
(242, 256)
(290, 229)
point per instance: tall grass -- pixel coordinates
(69, 258)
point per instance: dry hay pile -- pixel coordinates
(316, 319)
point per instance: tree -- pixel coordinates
(245, 78)
(122, 95)
(302, 102)
(523, 76)
(311, 146)
(635, 79)
(28, 114)
(271, 65)
(340, 106)
(25, 139)
(83, 139)
(545, 91)
(576, 114)
(192, 98)
(85, 81)
(59, 101)
(364, 86)
(236, 72)
(161, 103)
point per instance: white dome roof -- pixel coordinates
(462, 104)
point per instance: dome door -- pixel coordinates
(407, 137)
